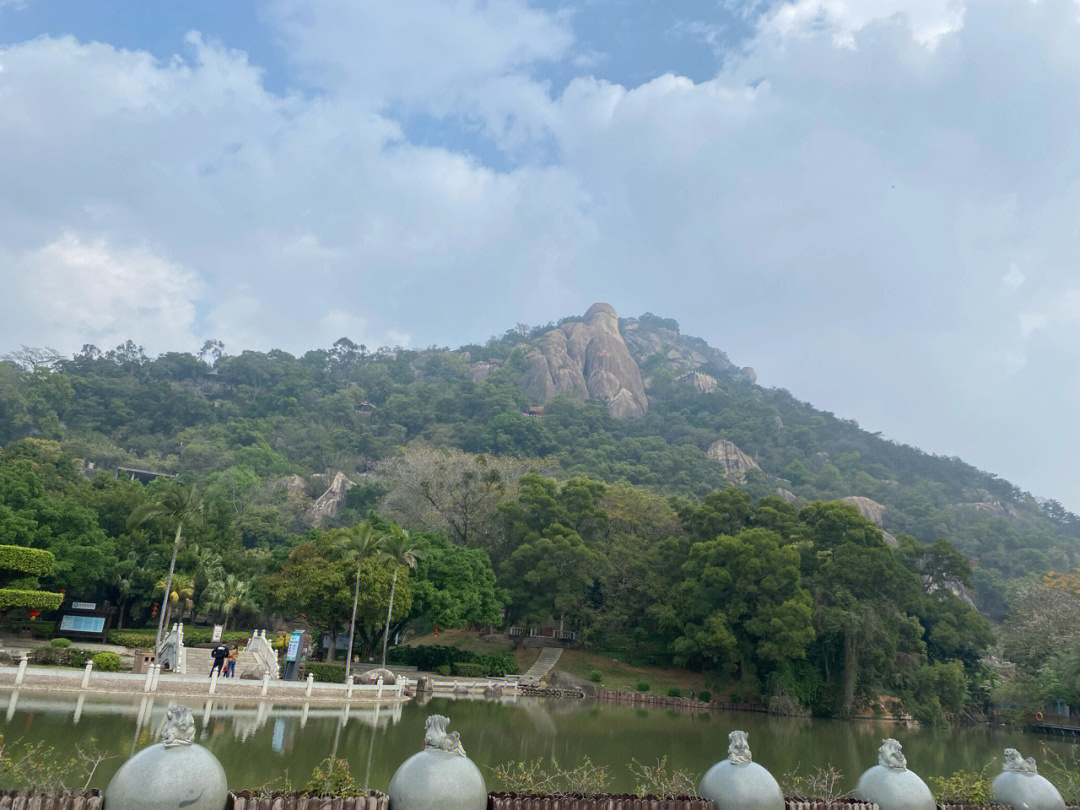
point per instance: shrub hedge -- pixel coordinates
(327, 673)
(60, 643)
(27, 560)
(468, 669)
(431, 658)
(107, 662)
(143, 639)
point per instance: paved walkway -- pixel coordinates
(549, 657)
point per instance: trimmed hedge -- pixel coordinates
(433, 658)
(468, 669)
(27, 560)
(327, 673)
(142, 639)
(107, 662)
(60, 643)
(33, 600)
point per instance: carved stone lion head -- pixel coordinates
(179, 727)
(891, 755)
(438, 738)
(1017, 764)
(738, 748)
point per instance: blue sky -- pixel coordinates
(875, 204)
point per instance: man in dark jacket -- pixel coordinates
(219, 654)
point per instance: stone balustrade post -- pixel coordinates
(351, 682)
(20, 676)
(149, 678)
(86, 674)
(378, 693)
(154, 680)
(265, 683)
(213, 681)
(310, 683)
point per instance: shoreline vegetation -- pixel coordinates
(722, 538)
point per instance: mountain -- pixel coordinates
(615, 399)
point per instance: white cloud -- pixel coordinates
(904, 207)
(77, 291)
(1014, 278)
(927, 20)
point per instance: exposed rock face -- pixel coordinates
(588, 359)
(956, 588)
(330, 502)
(786, 494)
(997, 509)
(868, 508)
(702, 383)
(646, 337)
(482, 369)
(734, 461)
(293, 484)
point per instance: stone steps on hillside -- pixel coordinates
(549, 657)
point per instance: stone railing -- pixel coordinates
(264, 653)
(170, 655)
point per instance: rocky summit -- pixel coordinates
(588, 359)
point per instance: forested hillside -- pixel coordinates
(544, 489)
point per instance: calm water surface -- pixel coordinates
(258, 745)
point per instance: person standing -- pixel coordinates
(219, 654)
(230, 662)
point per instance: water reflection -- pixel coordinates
(259, 742)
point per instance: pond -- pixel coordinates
(260, 744)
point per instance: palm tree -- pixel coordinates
(181, 594)
(398, 548)
(355, 547)
(230, 596)
(180, 503)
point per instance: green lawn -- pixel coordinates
(619, 675)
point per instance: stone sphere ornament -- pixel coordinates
(174, 774)
(739, 783)
(1020, 786)
(441, 777)
(890, 785)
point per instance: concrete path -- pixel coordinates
(549, 657)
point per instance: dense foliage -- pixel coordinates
(624, 531)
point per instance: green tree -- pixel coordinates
(746, 603)
(400, 551)
(355, 547)
(179, 503)
(230, 597)
(455, 586)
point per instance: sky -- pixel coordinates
(874, 203)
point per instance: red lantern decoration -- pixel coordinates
(154, 610)
(34, 614)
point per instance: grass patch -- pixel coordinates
(471, 641)
(619, 675)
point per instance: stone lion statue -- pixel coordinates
(438, 738)
(891, 755)
(1015, 763)
(179, 727)
(739, 748)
